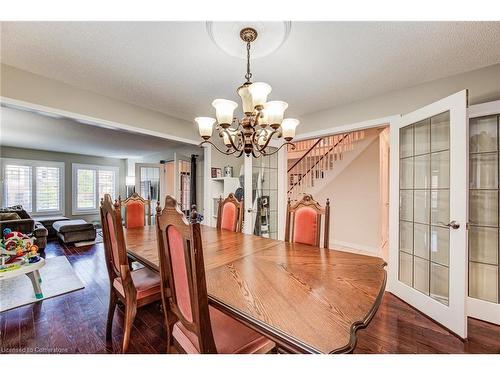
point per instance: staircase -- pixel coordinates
(309, 163)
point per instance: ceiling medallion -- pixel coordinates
(262, 120)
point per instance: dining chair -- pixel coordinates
(230, 214)
(303, 221)
(133, 288)
(199, 328)
(136, 207)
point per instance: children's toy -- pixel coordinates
(17, 248)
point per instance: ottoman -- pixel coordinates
(74, 230)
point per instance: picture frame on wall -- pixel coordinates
(216, 172)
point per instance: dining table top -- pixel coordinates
(307, 299)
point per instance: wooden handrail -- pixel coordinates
(303, 156)
(317, 162)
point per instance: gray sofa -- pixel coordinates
(17, 219)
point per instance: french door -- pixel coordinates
(265, 194)
(428, 237)
(483, 300)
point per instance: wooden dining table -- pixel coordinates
(304, 298)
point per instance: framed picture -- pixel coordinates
(216, 172)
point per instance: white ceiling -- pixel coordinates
(19, 128)
(175, 68)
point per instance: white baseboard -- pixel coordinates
(355, 248)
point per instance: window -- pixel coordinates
(90, 183)
(36, 185)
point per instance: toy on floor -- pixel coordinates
(17, 248)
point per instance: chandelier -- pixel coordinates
(261, 122)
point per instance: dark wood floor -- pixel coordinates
(76, 322)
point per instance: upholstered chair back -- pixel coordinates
(182, 268)
(303, 222)
(230, 214)
(137, 209)
(115, 249)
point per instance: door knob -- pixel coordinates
(453, 225)
(249, 210)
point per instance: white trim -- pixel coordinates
(20, 104)
(348, 127)
(484, 310)
(484, 109)
(355, 248)
(282, 188)
(36, 163)
(74, 194)
(207, 184)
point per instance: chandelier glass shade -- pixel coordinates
(262, 119)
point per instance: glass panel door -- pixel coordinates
(424, 207)
(484, 222)
(428, 248)
(148, 182)
(265, 196)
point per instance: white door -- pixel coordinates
(428, 237)
(265, 194)
(483, 300)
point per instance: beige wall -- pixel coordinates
(355, 208)
(483, 85)
(31, 88)
(68, 159)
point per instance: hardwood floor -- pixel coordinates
(76, 322)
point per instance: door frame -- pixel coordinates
(476, 308)
(456, 104)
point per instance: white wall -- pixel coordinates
(483, 85)
(354, 199)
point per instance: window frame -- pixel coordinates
(74, 186)
(34, 164)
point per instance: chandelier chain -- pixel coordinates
(248, 76)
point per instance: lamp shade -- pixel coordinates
(205, 126)
(259, 92)
(224, 110)
(263, 119)
(246, 98)
(288, 127)
(275, 111)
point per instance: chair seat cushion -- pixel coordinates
(146, 283)
(230, 336)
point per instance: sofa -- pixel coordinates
(17, 219)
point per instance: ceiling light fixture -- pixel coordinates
(261, 122)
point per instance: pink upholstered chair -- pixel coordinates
(133, 288)
(200, 328)
(303, 221)
(230, 214)
(136, 208)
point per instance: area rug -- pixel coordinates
(98, 239)
(58, 277)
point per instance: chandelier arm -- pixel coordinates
(279, 148)
(230, 138)
(267, 142)
(217, 148)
